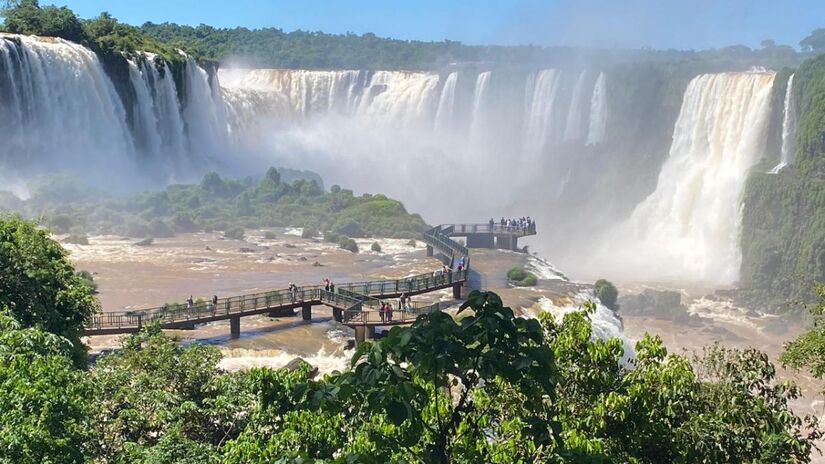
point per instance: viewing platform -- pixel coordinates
(488, 235)
(354, 304)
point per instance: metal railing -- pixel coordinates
(496, 228)
(353, 297)
(417, 283)
(438, 238)
(347, 296)
(397, 315)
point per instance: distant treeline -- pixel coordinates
(274, 48)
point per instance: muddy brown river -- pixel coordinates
(205, 264)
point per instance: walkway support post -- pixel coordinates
(457, 291)
(337, 314)
(360, 334)
(235, 326)
(429, 250)
(306, 311)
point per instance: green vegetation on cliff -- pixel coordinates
(783, 225)
(104, 34)
(221, 204)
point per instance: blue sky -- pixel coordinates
(684, 24)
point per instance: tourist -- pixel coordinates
(492, 224)
(403, 300)
(293, 292)
(190, 302)
(389, 312)
(331, 287)
(326, 284)
(383, 312)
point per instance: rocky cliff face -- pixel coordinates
(783, 233)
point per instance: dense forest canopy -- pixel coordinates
(274, 48)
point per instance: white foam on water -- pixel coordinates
(605, 323)
(544, 269)
(236, 359)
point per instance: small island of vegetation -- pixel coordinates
(218, 204)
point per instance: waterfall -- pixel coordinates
(204, 112)
(541, 114)
(479, 104)
(157, 123)
(296, 95)
(688, 228)
(789, 123)
(60, 110)
(573, 129)
(145, 123)
(598, 112)
(446, 104)
(401, 97)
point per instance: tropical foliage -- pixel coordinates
(221, 204)
(38, 284)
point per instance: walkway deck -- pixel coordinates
(355, 304)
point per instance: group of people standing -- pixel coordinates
(522, 223)
(328, 285)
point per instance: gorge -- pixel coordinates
(640, 168)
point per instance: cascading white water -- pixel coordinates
(59, 109)
(145, 123)
(688, 228)
(401, 97)
(446, 104)
(204, 112)
(387, 96)
(541, 111)
(573, 130)
(303, 93)
(479, 104)
(789, 124)
(598, 112)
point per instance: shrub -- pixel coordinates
(234, 233)
(332, 237)
(516, 273)
(88, 280)
(349, 228)
(412, 243)
(309, 232)
(521, 278)
(375, 247)
(348, 244)
(268, 235)
(145, 242)
(607, 293)
(76, 239)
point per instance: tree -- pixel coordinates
(806, 351)
(814, 42)
(158, 401)
(45, 400)
(28, 17)
(38, 284)
(767, 43)
(607, 293)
